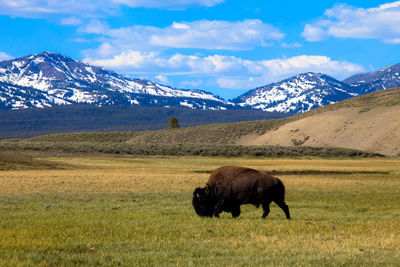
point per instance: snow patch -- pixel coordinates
(186, 104)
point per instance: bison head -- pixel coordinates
(201, 203)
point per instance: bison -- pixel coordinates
(231, 186)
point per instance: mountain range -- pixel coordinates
(50, 79)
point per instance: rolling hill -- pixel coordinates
(370, 123)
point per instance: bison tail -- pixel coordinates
(279, 190)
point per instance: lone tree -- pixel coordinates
(173, 123)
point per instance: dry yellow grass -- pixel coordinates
(177, 174)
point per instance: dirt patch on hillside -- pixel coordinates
(376, 130)
(11, 162)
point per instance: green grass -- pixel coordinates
(137, 211)
(153, 229)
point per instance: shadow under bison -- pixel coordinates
(231, 186)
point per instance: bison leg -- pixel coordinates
(218, 207)
(236, 211)
(265, 207)
(284, 207)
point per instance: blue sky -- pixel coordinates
(222, 46)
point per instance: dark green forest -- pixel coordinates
(78, 118)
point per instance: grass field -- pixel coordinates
(137, 211)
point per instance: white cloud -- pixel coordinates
(202, 34)
(306, 63)
(233, 82)
(343, 21)
(71, 21)
(95, 27)
(291, 45)
(242, 35)
(50, 8)
(227, 71)
(177, 25)
(126, 60)
(163, 79)
(267, 71)
(4, 56)
(191, 84)
(314, 33)
(89, 8)
(169, 4)
(81, 40)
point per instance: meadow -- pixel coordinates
(110, 211)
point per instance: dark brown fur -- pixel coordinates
(231, 186)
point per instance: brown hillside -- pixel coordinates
(377, 131)
(370, 123)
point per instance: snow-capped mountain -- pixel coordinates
(297, 94)
(49, 79)
(382, 79)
